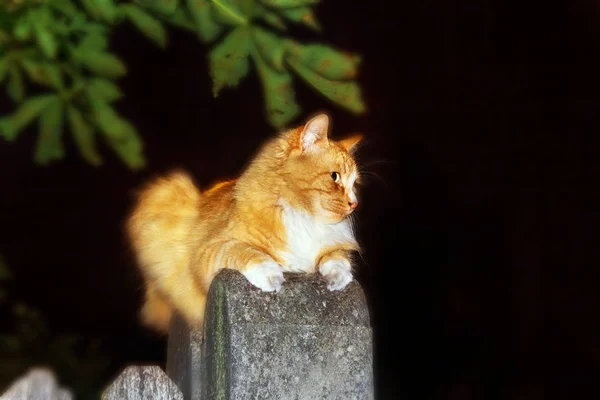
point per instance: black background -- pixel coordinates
(482, 126)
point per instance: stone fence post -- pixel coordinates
(302, 343)
(142, 383)
(37, 384)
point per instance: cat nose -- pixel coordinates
(353, 204)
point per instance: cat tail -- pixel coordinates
(156, 312)
(158, 230)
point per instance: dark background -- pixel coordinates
(482, 125)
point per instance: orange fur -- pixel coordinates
(284, 213)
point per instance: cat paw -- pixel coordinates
(267, 276)
(337, 274)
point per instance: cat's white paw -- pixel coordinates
(337, 273)
(267, 276)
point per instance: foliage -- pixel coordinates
(81, 365)
(61, 48)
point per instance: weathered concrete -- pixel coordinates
(37, 384)
(184, 360)
(304, 342)
(142, 383)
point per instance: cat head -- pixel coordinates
(319, 175)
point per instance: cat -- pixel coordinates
(289, 211)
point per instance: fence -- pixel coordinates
(305, 342)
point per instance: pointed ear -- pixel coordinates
(349, 143)
(314, 133)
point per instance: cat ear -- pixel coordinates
(350, 142)
(314, 132)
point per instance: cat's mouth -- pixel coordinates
(336, 216)
(348, 211)
(336, 212)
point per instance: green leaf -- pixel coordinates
(345, 93)
(227, 13)
(15, 87)
(61, 29)
(44, 73)
(288, 3)
(93, 41)
(23, 28)
(103, 64)
(182, 19)
(49, 145)
(273, 19)
(102, 10)
(167, 7)
(109, 9)
(46, 41)
(279, 93)
(146, 23)
(248, 8)
(323, 60)
(40, 16)
(120, 134)
(12, 125)
(271, 48)
(103, 90)
(206, 27)
(66, 7)
(83, 134)
(80, 21)
(94, 27)
(302, 15)
(229, 61)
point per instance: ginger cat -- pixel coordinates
(288, 212)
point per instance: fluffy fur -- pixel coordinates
(288, 212)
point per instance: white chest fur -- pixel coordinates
(306, 238)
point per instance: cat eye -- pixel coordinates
(335, 176)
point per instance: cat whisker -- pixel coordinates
(367, 174)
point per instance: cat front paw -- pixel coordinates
(267, 276)
(337, 273)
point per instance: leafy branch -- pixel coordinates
(61, 47)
